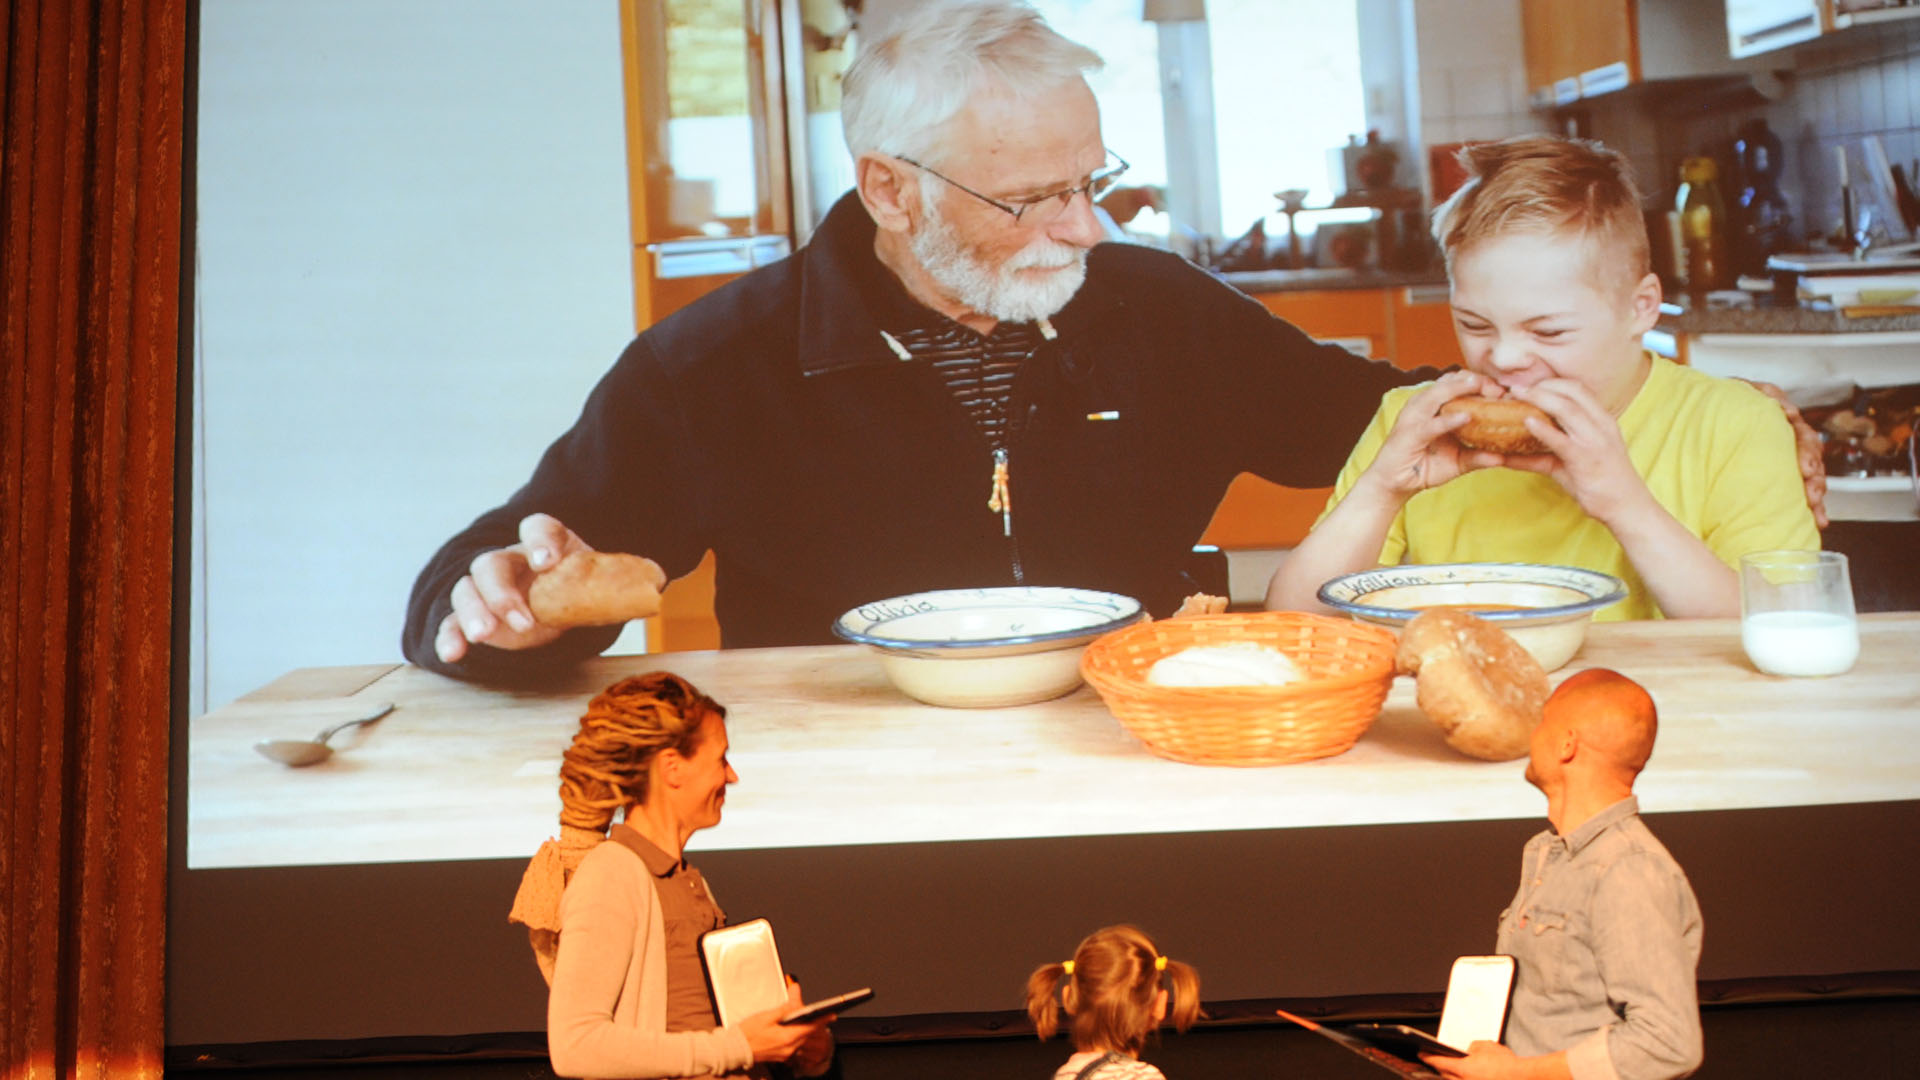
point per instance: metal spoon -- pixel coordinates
(298, 752)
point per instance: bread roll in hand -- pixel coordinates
(1480, 686)
(596, 588)
(1497, 424)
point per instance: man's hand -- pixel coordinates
(1493, 1061)
(490, 602)
(1807, 444)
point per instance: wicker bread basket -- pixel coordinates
(1348, 668)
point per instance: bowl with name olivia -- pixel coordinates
(990, 647)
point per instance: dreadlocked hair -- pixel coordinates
(1109, 989)
(625, 725)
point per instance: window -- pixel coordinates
(1286, 92)
(1128, 88)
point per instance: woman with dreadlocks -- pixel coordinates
(619, 945)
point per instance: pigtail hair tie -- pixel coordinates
(1066, 967)
(1159, 963)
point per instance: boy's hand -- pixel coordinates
(1588, 454)
(1419, 453)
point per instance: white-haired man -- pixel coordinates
(834, 426)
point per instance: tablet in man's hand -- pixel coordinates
(1404, 1041)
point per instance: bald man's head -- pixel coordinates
(1613, 716)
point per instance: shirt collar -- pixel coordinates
(659, 863)
(847, 297)
(1601, 822)
(1653, 388)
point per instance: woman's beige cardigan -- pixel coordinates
(606, 1013)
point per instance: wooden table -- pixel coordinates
(830, 754)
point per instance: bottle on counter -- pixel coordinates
(1765, 220)
(1701, 264)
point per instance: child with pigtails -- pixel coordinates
(1115, 991)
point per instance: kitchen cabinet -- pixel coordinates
(1566, 39)
(1757, 26)
(1359, 319)
(1581, 48)
(1408, 326)
(1422, 322)
(1845, 13)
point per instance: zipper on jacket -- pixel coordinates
(1002, 487)
(1000, 501)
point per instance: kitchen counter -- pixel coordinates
(830, 754)
(1817, 357)
(1329, 277)
(1782, 320)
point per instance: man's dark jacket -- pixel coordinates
(771, 422)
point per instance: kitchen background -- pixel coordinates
(413, 256)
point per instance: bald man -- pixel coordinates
(1604, 930)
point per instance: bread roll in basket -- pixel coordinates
(1347, 668)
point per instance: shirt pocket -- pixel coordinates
(1544, 921)
(1553, 937)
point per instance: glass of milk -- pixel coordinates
(1796, 612)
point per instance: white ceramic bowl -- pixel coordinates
(1545, 608)
(985, 648)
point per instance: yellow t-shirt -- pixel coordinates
(1718, 454)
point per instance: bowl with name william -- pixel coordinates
(1544, 608)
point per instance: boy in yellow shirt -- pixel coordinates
(1656, 473)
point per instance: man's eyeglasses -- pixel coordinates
(1041, 209)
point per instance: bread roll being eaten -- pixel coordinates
(1497, 424)
(596, 588)
(1240, 663)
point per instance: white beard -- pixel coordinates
(998, 291)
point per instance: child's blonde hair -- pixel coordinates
(1549, 184)
(1108, 989)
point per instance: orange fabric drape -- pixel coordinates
(91, 127)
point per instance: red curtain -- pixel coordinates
(90, 230)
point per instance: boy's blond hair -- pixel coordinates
(1549, 184)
